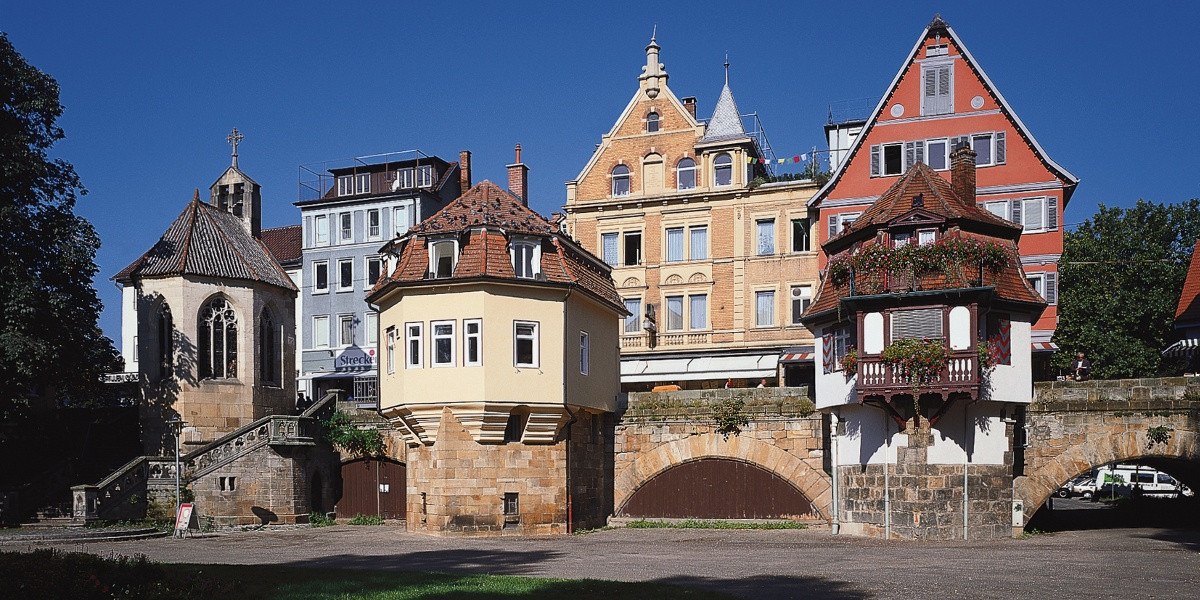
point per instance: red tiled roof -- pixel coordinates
(1189, 308)
(482, 221)
(284, 243)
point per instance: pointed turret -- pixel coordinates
(654, 74)
(726, 121)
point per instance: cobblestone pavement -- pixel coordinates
(753, 564)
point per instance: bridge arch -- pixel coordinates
(812, 483)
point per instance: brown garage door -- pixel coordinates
(372, 486)
(716, 488)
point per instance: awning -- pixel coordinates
(340, 374)
(1044, 347)
(1182, 347)
(795, 355)
(668, 370)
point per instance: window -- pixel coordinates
(412, 345)
(512, 503)
(723, 170)
(473, 342)
(801, 299)
(838, 223)
(921, 323)
(374, 269)
(766, 236)
(698, 311)
(620, 180)
(1000, 209)
(442, 258)
(652, 122)
(698, 245)
(1033, 214)
(892, 159)
(372, 329)
(675, 244)
(608, 242)
(166, 340)
(936, 97)
(764, 308)
(685, 174)
(513, 430)
(269, 350)
(362, 183)
(345, 185)
(584, 353)
(228, 484)
(345, 227)
(982, 145)
(373, 224)
(321, 331)
(937, 152)
(926, 237)
(346, 330)
(526, 259)
(633, 248)
(400, 220)
(842, 342)
(674, 313)
(899, 240)
(425, 175)
(800, 241)
(407, 178)
(1045, 284)
(989, 147)
(321, 227)
(525, 344)
(391, 349)
(320, 277)
(217, 340)
(345, 274)
(633, 319)
(442, 343)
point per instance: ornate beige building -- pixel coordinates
(710, 255)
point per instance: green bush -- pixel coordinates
(342, 432)
(317, 519)
(366, 520)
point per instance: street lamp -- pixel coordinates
(176, 425)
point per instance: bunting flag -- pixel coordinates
(798, 158)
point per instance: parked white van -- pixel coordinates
(1149, 481)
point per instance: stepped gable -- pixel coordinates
(206, 241)
(482, 220)
(284, 243)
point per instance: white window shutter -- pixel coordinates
(875, 161)
(833, 225)
(1051, 285)
(1015, 211)
(920, 152)
(1051, 213)
(1000, 148)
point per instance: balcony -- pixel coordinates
(885, 281)
(666, 340)
(961, 375)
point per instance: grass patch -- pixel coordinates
(713, 524)
(320, 520)
(366, 520)
(159, 524)
(56, 574)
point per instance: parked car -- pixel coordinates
(1084, 485)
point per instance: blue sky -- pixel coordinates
(152, 89)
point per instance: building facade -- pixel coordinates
(940, 98)
(500, 368)
(714, 261)
(354, 210)
(925, 318)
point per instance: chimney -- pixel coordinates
(464, 170)
(518, 178)
(690, 104)
(962, 174)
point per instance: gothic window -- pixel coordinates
(620, 180)
(268, 348)
(723, 170)
(217, 340)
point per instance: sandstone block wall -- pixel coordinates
(272, 485)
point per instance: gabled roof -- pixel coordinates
(939, 24)
(1188, 310)
(284, 244)
(236, 171)
(726, 121)
(483, 220)
(207, 241)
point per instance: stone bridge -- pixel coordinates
(1073, 427)
(671, 460)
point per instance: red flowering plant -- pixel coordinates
(850, 363)
(955, 257)
(918, 362)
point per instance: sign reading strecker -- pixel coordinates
(355, 359)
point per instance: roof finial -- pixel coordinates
(196, 194)
(654, 33)
(726, 67)
(233, 138)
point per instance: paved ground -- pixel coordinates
(753, 564)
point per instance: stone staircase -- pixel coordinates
(127, 492)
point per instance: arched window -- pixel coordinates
(166, 340)
(620, 180)
(268, 348)
(723, 170)
(217, 340)
(685, 174)
(652, 122)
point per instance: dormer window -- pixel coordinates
(425, 175)
(526, 258)
(723, 170)
(926, 237)
(345, 185)
(899, 240)
(620, 180)
(443, 257)
(652, 122)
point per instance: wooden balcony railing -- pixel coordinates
(961, 374)
(884, 281)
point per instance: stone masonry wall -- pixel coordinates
(784, 435)
(272, 485)
(591, 461)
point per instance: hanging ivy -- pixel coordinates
(948, 255)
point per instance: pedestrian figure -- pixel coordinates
(1081, 369)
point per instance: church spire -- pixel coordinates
(235, 193)
(654, 74)
(234, 138)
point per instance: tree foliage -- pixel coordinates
(343, 432)
(1120, 279)
(50, 346)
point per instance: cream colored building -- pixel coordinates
(500, 366)
(711, 257)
